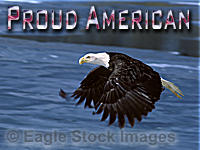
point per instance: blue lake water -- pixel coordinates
(33, 72)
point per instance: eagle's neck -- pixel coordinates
(103, 59)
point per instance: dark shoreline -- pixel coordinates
(186, 42)
(81, 39)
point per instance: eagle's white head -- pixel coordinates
(97, 59)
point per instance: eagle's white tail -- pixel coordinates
(174, 89)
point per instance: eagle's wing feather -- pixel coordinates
(130, 90)
(92, 86)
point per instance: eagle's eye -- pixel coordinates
(88, 57)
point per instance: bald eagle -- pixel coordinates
(121, 86)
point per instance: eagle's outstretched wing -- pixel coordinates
(92, 86)
(129, 91)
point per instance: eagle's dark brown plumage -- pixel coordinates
(127, 87)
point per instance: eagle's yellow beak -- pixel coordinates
(82, 60)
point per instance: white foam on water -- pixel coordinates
(31, 1)
(175, 53)
(53, 56)
(174, 66)
(187, 3)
